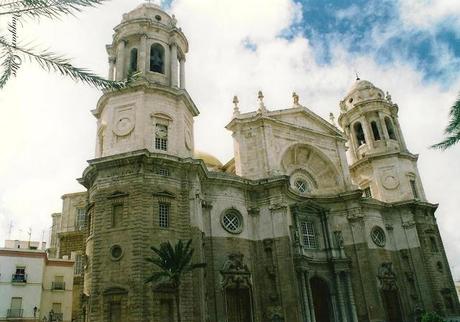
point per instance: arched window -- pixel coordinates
(133, 60)
(375, 131)
(157, 59)
(390, 128)
(359, 133)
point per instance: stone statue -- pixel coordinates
(295, 98)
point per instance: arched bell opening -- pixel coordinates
(157, 59)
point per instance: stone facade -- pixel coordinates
(294, 228)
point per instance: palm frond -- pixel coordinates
(453, 128)
(52, 62)
(157, 276)
(46, 8)
(10, 66)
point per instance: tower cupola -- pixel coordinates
(148, 41)
(380, 163)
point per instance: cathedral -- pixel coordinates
(308, 221)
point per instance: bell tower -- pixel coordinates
(380, 162)
(155, 112)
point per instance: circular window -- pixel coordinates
(378, 236)
(301, 185)
(158, 17)
(116, 252)
(232, 221)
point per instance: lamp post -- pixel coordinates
(35, 312)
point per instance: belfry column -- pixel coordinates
(120, 60)
(182, 73)
(143, 55)
(111, 67)
(383, 126)
(400, 135)
(174, 65)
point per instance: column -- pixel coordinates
(120, 60)
(174, 66)
(383, 126)
(111, 68)
(310, 299)
(367, 133)
(400, 135)
(305, 301)
(351, 298)
(144, 55)
(182, 73)
(343, 311)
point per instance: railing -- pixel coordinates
(56, 317)
(14, 313)
(58, 286)
(19, 278)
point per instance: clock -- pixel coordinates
(123, 125)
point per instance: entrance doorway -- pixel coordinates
(321, 300)
(238, 305)
(392, 307)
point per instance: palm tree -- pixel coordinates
(453, 128)
(173, 263)
(12, 52)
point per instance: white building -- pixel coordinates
(33, 287)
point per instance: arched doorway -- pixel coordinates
(392, 305)
(321, 300)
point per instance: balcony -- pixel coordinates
(14, 313)
(19, 278)
(56, 317)
(58, 286)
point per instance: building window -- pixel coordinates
(133, 60)
(367, 193)
(90, 223)
(307, 231)
(78, 268)
(378, 236)
(117, 215)
(163, 215)
(413, 186)
(161, 137)
(232, 221)
(375, 131)
(301, 185)
(359, 132)
(58, 283)
(116, 252)
(157, 54)
(20, 275)
(15, 310)
(433, 244)
(80, 219)
(390, 128)
(439, 267)
(163, 172)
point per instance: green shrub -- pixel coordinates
(432, 317)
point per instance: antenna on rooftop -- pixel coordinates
(10, 228)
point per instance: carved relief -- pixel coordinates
(235, 274)
(387, 277)
(390, 179)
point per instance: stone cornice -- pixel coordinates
(146, 87)
(369, 158)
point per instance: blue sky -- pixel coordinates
(377, 28)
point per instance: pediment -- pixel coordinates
(305, 118)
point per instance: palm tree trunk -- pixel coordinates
(177, 296)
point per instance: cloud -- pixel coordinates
(49, 132)
(424, 14)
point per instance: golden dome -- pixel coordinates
(208, 159)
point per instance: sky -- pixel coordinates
(410, 48)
